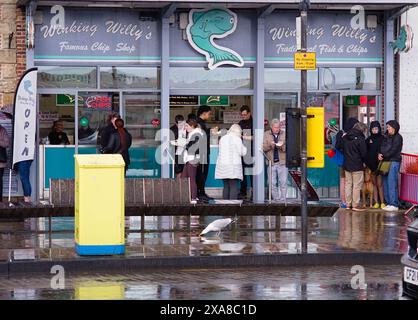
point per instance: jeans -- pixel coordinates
(230, 191)
(24, 172)
(279, 182)
(390, 185)
(1, 184)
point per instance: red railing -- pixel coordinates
(408, 190)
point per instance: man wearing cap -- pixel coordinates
(391, 151)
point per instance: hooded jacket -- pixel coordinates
(392, 144)
(355, 150)
(374, 142)
(349, 124)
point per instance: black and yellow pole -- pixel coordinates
(303, 8)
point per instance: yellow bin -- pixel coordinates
(316, 144)
(99, 204)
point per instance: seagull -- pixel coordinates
(217, 226)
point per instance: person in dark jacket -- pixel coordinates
(203, 114)
(246, 125)
(390, 150)
(339, 145)
(110, 129)
(120, 142)
(355, 153)
(57, 134)
(374, 142)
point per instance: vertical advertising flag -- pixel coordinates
(24, 118)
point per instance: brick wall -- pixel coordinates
(12, 53)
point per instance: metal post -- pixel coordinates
(270, 173)
(304, 5)
(270, 179)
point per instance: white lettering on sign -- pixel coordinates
(75, 27)
(100, 46)
(65, 46)
(131, 30)
(124, 47)
(278, 33)
(344, 31)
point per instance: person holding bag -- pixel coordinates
(4, 143)
(390, 151)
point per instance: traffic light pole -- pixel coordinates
(304, 154)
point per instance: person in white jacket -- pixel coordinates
(229, 162)
(191, 154)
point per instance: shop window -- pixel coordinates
(201, 78)
(129, 78)
(349, 78)
(67, 77)
(56, 107)
(143, 121)
(279, 79)
(93, 111)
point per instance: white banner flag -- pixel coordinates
(24, 118)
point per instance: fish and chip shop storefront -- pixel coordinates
(153, 60)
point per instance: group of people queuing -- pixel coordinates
(373, 156)
(235, 152)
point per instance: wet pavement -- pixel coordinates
(347, 231)
(296, 283)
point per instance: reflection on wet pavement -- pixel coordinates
(323, 283)
(374, 230)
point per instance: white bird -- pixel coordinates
(217, 226)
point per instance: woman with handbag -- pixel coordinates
(4, 143)
(390, 151)
(374, 142)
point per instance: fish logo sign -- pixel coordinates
(405, 40)
(207, 25)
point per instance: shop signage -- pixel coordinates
(305, 61)
(404, 42)
(118, 34)
(24, 117)
(98, 102)
(214, 100)
(48, 116)
(232, 117)
(184, 100)
(329, 35)
(67, 100)
(99, 34)
(207, 25)
(351, 101)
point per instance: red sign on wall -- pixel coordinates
(98, 102)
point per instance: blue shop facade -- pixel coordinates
(150, 62)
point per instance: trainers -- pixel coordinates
(193, 201)
(358, 209)
(391, 208)
(343, 205)
(376, 206)
(382, 206)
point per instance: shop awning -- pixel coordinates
(385, 5)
